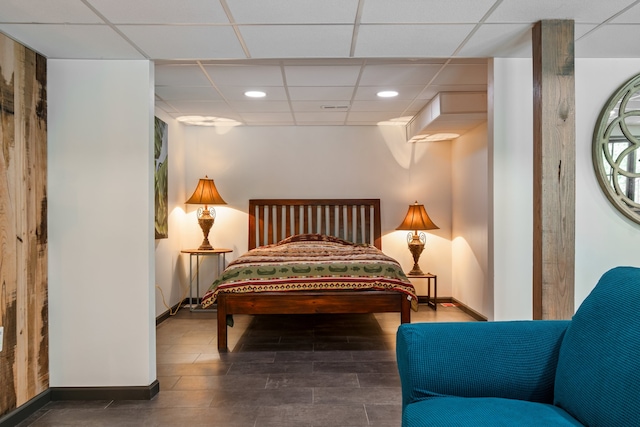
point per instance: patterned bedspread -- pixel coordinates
(312, 262)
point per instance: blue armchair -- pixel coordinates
(585, 371)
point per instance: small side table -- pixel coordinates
(432, 280)
(218, 254)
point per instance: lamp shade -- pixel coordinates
(417, 219)
(206, 194)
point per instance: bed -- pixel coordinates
(336, 223)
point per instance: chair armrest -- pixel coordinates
(514, 359)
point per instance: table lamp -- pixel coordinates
(206, 194)
(416, 219)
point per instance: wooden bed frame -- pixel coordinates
(271, 220)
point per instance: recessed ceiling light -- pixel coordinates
(207, 121)
(387, 93)
(255, 94)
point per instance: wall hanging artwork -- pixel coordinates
(161, 148)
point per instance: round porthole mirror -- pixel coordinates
(616, 149)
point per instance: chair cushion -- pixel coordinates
(483, 411)
(598, 373)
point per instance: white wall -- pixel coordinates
(333, 162)
(511, 187)
(604, 237)
(470, 221)
(171, 269)
(100, 221)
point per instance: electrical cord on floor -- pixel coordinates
(164, 302)
(171, 311)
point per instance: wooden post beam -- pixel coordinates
(553, 169)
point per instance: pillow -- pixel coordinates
(314, 237)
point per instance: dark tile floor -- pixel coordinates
(281, 371)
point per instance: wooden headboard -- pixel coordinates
(355, 220)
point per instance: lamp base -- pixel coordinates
(205, 221)
(205, 246)
(416, 246)
(415, 271)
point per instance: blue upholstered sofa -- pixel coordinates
(529, 373)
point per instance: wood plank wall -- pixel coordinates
(24, 360)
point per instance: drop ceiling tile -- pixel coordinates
(180, 75)
(168, 108)
(399, 74)
(48, 11)
(320, 116)
(236, 93)
(204, 108)
(597, 44)
(185, 93)
(259, 123)
(184, 41)
(428, 93)
(581, 30)
(631, 16)
(472, 74)
(499, 40)
(267, 117)
(410, 40)
(343, 93)
(72, 41)
(271, 123)
(410, 61)
(260, 107)
(316, 106)
(373, 117)
(357, 123)
(241, 75)
(386, 105)
(308, 62)
(424, 11)
(322, 123)
(165, 62)
(527, 11)
(414, 107)
(293, 12)
(161, 11)
(288, 41)
(330, 75)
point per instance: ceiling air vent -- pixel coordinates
(334, 107)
